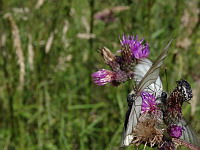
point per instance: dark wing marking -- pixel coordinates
(132, 122)
(189, 134)
(153, 73)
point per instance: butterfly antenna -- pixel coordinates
(166, 79)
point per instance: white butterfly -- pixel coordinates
(188, 134)
(147, 78)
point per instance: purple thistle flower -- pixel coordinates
(138, 49)
(103, 76)
(175, 131)
(148, 102)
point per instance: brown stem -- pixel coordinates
(91, 21)
(184, 143)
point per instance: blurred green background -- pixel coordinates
(49, 50)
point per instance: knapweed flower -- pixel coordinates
(138, 49)
(147, 131)
(122, 66)
(148, 102)
(103, 76)
(175, 131)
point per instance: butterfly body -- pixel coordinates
(130, 101)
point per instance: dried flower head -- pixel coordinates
(138, 49)
(109, 58)
(147, 131)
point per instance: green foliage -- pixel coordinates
(57, 106)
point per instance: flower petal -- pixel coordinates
(138, 49)
(148, 102)
(103, 77)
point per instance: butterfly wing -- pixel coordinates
(132, 121)
(140, 70)
(145, 73)
(188, 134)
(153, 73)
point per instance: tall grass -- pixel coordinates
(52, 53)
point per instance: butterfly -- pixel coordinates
(147, 78)
(172, 110)
(189, 135)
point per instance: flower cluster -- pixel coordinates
(150, 119)
(149, 105)
(151, 108)
(121, 66)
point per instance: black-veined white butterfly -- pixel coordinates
(147, 78)
(180, 94)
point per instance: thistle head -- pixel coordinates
(138, 49)
(103, 76)
(147, 131)
(175, 131)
